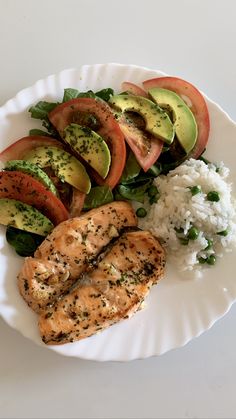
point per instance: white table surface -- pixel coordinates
(191, 39)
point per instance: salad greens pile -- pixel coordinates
(134, 185)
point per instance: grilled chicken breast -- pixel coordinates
(69, 251)
(114, 290)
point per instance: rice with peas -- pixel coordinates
(178, 210)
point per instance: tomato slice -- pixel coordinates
(145, 147)
(16, 150)
(133, 89)
(24, 188)
(196, 102)
(71, 111)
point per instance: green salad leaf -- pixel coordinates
(41, 109)
(24, 243)
(155, 170)
(89, 93)
(98, 195)
(135, 183)
(105, 94)
(39, 132)
(69, 94)
(131, 170)
(132, 192)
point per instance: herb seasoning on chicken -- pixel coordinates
(113, 291)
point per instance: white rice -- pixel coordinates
(178, 208)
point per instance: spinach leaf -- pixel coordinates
(89, 93)
(131, 170)
(70, 94)
(117, 195)
(41, 109)
(24, 243)
(105, 94)
(97, 196)
(132, 192)
(133, 174)
(141, 179)
(166, 167)
(155, 170)
(144, 177)
(39, 132)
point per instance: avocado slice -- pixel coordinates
(157, 120)
(66, 166)
(184, 120)
(89, 145)
(32, 170)
(24, 217)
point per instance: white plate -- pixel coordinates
(177, 309)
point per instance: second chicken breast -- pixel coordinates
(111, 292)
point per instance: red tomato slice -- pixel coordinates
(16, 150)
(194, 100)
(24, 188)
(133, 89)
(146, 149)
(64, 114)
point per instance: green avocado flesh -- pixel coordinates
(89, 145)
(157, 121)
(184, 122)
(32, 170)
(24, 217)
(66, 166)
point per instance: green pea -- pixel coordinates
(152, 191)
(211, 260)
(195, 190)
(141, 212)
(209, 244)
(193, 233)
(213, 196)
(223, 233)
(201, 260)
(184, 241)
